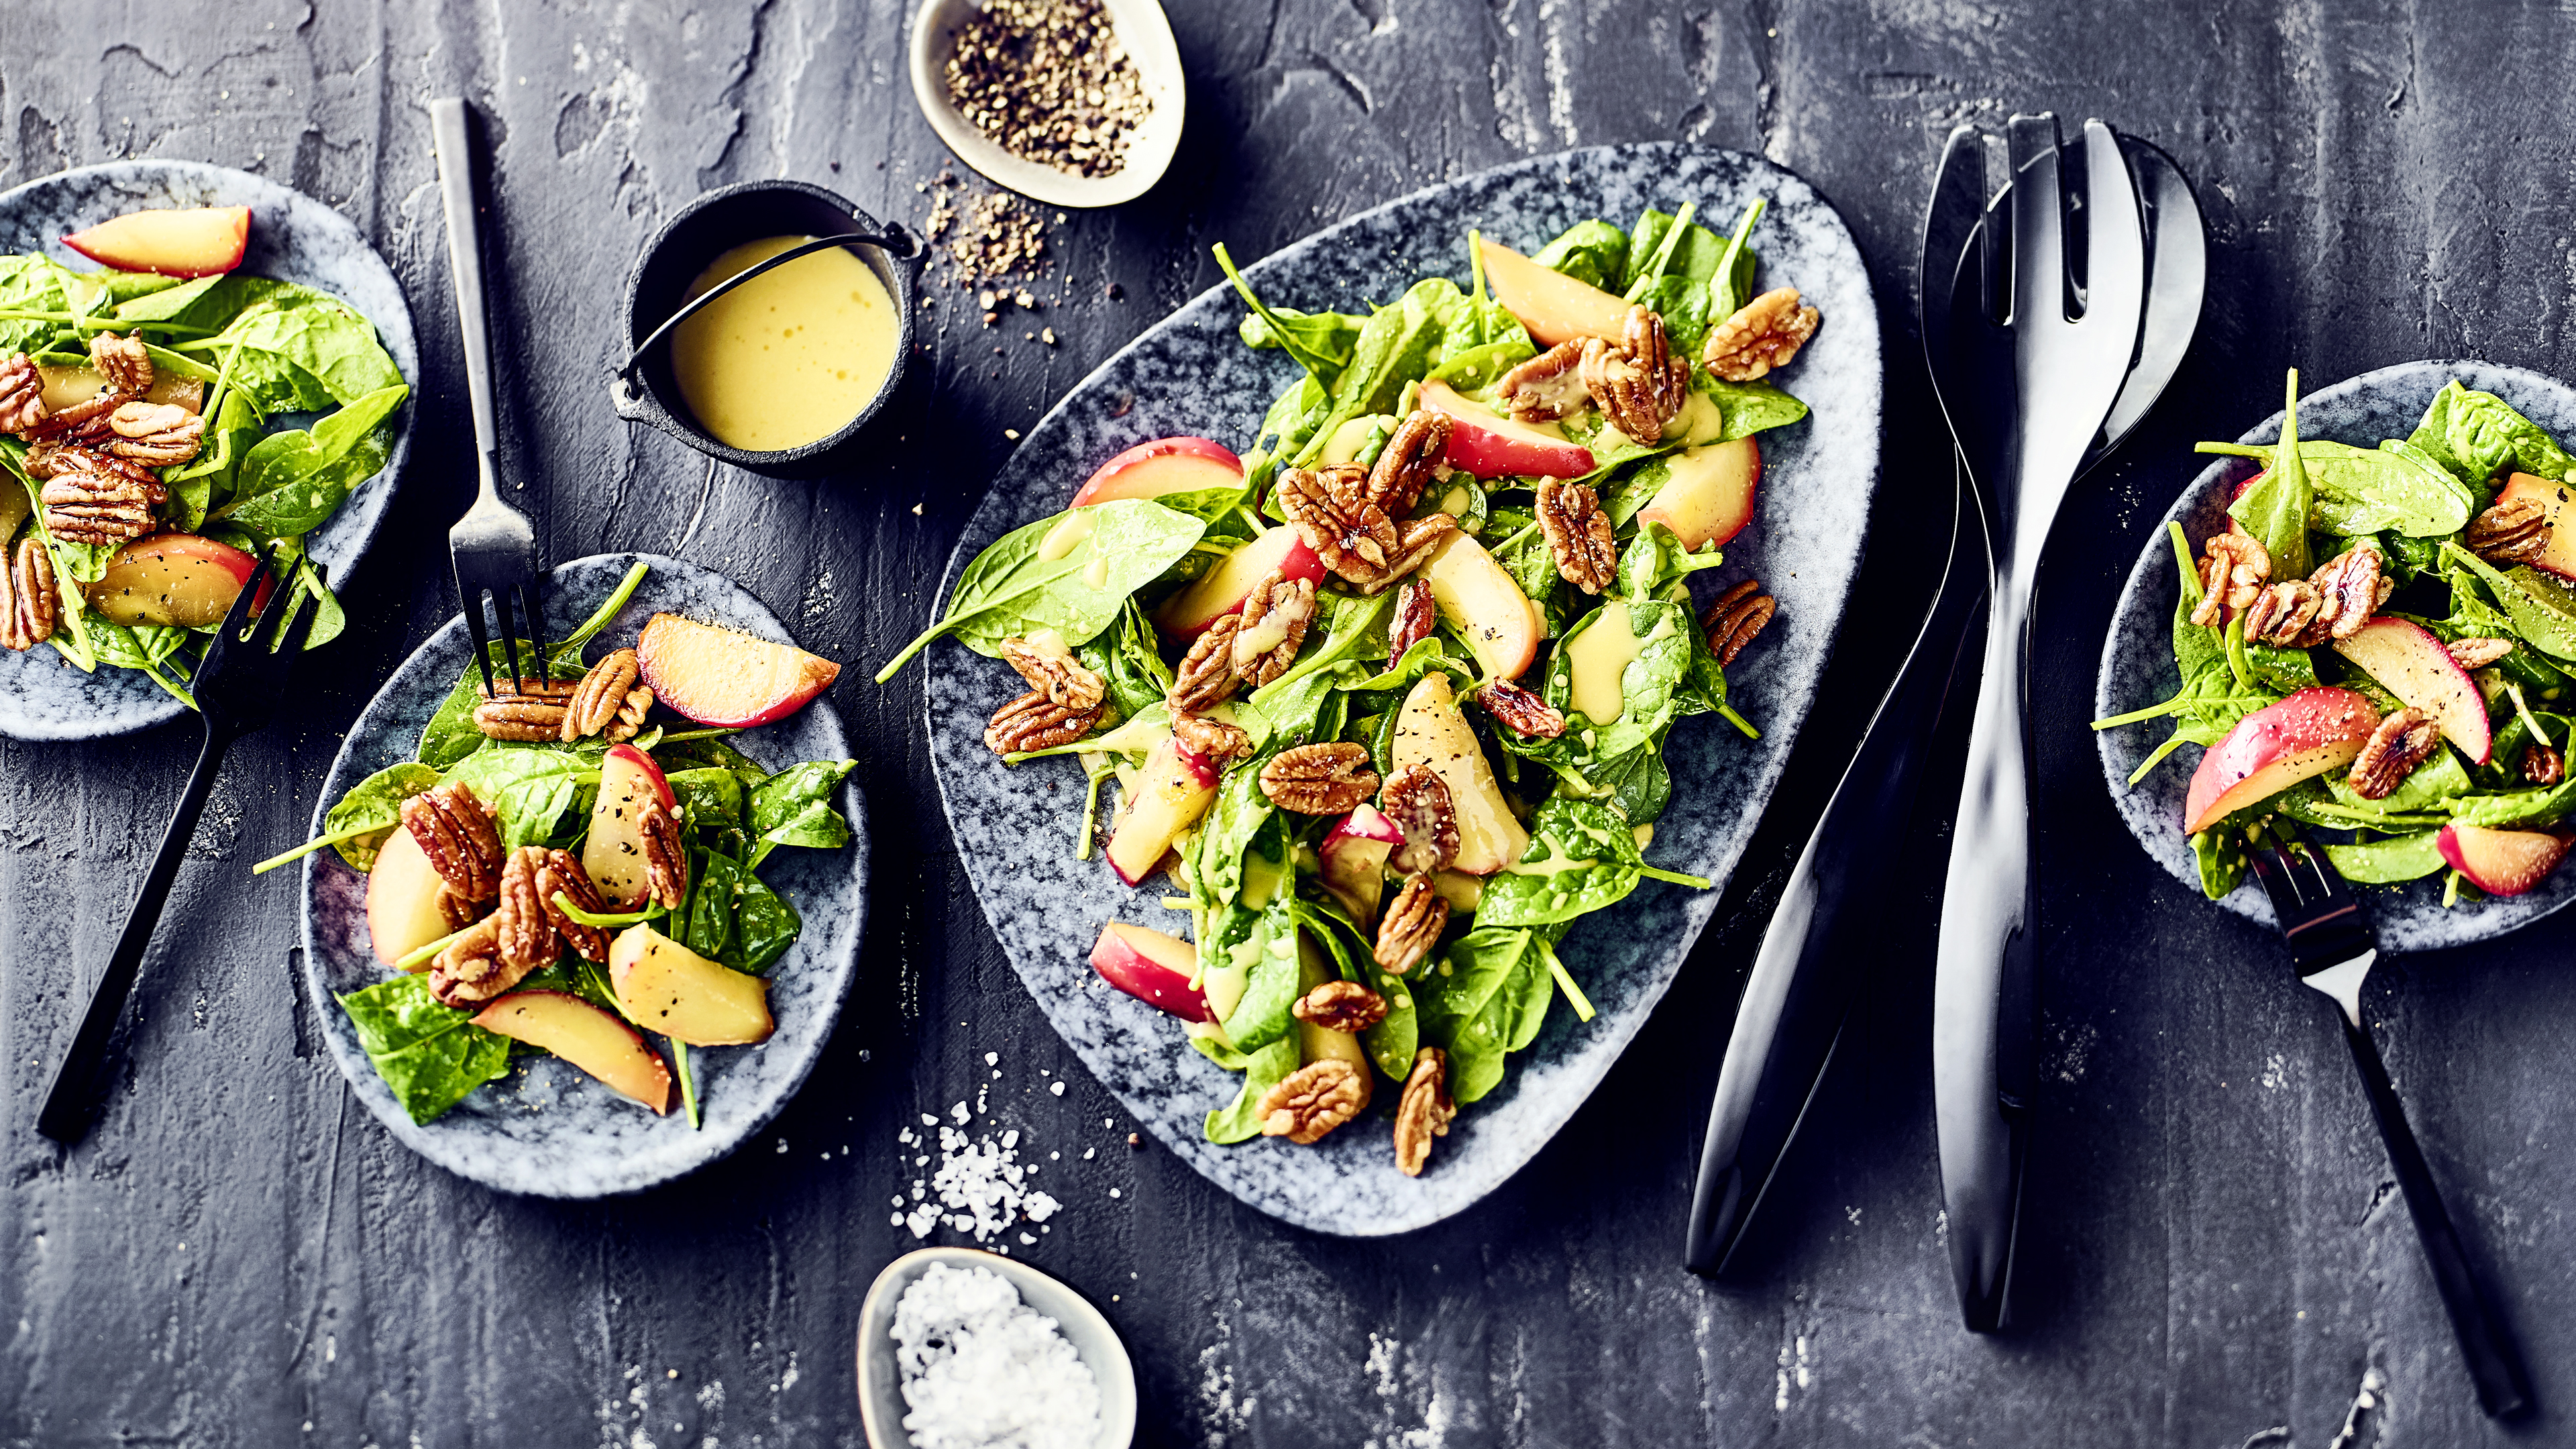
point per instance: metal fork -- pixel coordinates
(493, 548)
(2332, 946)
(238, 689)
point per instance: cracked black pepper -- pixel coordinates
(1049, 82)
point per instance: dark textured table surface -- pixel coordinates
(2213, 1250)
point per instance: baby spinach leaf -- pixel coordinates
(1488, 998)
(1592, 251)
(1656, 558)
(430, 1055)
(710, 798)
(764, 926)
(1664, 244)
(794, 807)
(1321, 342)
(1394, 349)
(2387, 862)
(1126, 657)
(1749, 407)
(2542, 610)
(1262, 1016)
(2220, 858)
(1684, 305)
(147, 302)
(2516, 808)
(374, 805)
(530, 787)
(2478, 435)
(2276, 508)
(1032, 579)
(290, 482)
(30, 283)
(1240, 1120)
(2437, 780)
(316, 333)
(1582, 858)
(2367, 490)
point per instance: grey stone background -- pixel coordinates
(237, 1257)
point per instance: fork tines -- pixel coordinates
(534, 630)
(2320, 920)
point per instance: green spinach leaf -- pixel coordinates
(374, 806)
(428, 1054)
(1031, 578)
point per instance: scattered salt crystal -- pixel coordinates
(992, 1059)
(1056, 1087)
(961, 1114)
(1113, 1192)
(1086, 1153)
(982, 1370)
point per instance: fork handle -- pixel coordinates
(2494, 1365)
(448, 125)
(71, 1100)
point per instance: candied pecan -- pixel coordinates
(83, 421)
(2404, 739)
(1212, 740)
(2543, 765)
(2348, 586)
(2231, 574)
(1416, 614)
(458, 912)
(1051, 669)
(1206, 677)
(2282, 613)
(1330, 510)
(521, 718)
(1736, 618)
(1411, 925)
(666, 861)
(1763, 334)
(470, 971)
(1313, 1100)
(1034, 722)
(610, 700)
(1340, 1006)
(524, 930)
(1578, 532)
(1524, 713)
(1548, 386)
(31, 597)
(1638, 385)
(1274, 620)
(95, 508)
(1425, 1112)
(1417, 800)
(561, 874)
(22, 393)
(1319, 779)
(1409, 462)
(124, 361)
(45, 460)
(456, 831)
(2479, 653)
(1421, 538)
(2509, 533)
(161, 434)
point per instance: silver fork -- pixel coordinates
(493, 548)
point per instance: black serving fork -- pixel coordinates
(238, 688)
(2332, 946)
(493, 548)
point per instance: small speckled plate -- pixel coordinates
(293, 238)
(547, 1128)
(2138, 663)
(1191, 374)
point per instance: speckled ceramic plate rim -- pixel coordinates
(120, 701)
(547, 1129)
(1046, 914)
(2137, 666)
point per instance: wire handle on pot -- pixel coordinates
(895, 242)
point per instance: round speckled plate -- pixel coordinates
(2138, 663)
(293, 238)
(547, 1128)
(1015, 828)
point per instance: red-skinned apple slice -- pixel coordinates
(1153, 967)
(178, 242)
(1707, 496)
(2501, 862)
(1165, 465)
(585, 1036)
(721, 677)
(176, 580)
(664, 986)
(1354, 854)
(1553, 306)
(2275, 747)
(1479, 600)
(403, 891)
(1174, 789)
(1489, 445)
(1429, 730)
(1221, 590)
(2414, 666)
(2558, 545)
(613, 854)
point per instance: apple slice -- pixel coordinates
(403, 895)
(2414, 666)
(2275, 747)
(180, 242)
(1430, 730)
(2501, 862)
(1553, 306)
(1707, 495)
(1165, 465)
(1153, 967)
(1221, 590)
(1175, 788)
(664, 986)
(1354, 854)
(1489, 445)
(2558, 545)
(585, 1036)
(176, 580)
(613, 853)
(1479, 600)
(65, 386)
(720, 677)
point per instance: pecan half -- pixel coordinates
(1763, 334)
(1411, 925)
(2479, 653)
(1313, 1100)
(2282, 613)
(470, 971)
(1212, 740)
(2231, 573)
(96, 508)
(1409, 462)
(2509, 533)
(561, 873)
(1206, 677)
(1736, 618)
(456, 831)
(1320, 779)
(1051, 669)
(22, 393)
(1417, 800)
(524, 929)
(1548, 386)
(457, 912)
(1340, 1006)
(31, 597)
(610, 701)
(1425, 1112)
(1524, 713)
(1421, 538)
(84, 421)
(124, 361)
(1273, 626)
(2348, 586)
(161, 434)
(1578, 533)
(1034, 722)
(1638, 385)
(2543, 765)
(1352, 535)
(46, 460)
(1416, 615)
(666, 861)
(2405, 739)
(527, 709)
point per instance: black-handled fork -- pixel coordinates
(239, 689)
(2332, 946)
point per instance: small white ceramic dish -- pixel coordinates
(1147, 34)
(881, 1405)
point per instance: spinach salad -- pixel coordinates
(1386, 697)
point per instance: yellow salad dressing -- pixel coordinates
(789, 356)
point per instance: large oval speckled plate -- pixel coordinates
(1015, 828)
(293, 238)
(547, 1128)
(2138, 663)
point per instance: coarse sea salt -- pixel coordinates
(982, 1370)
(980, 1187)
